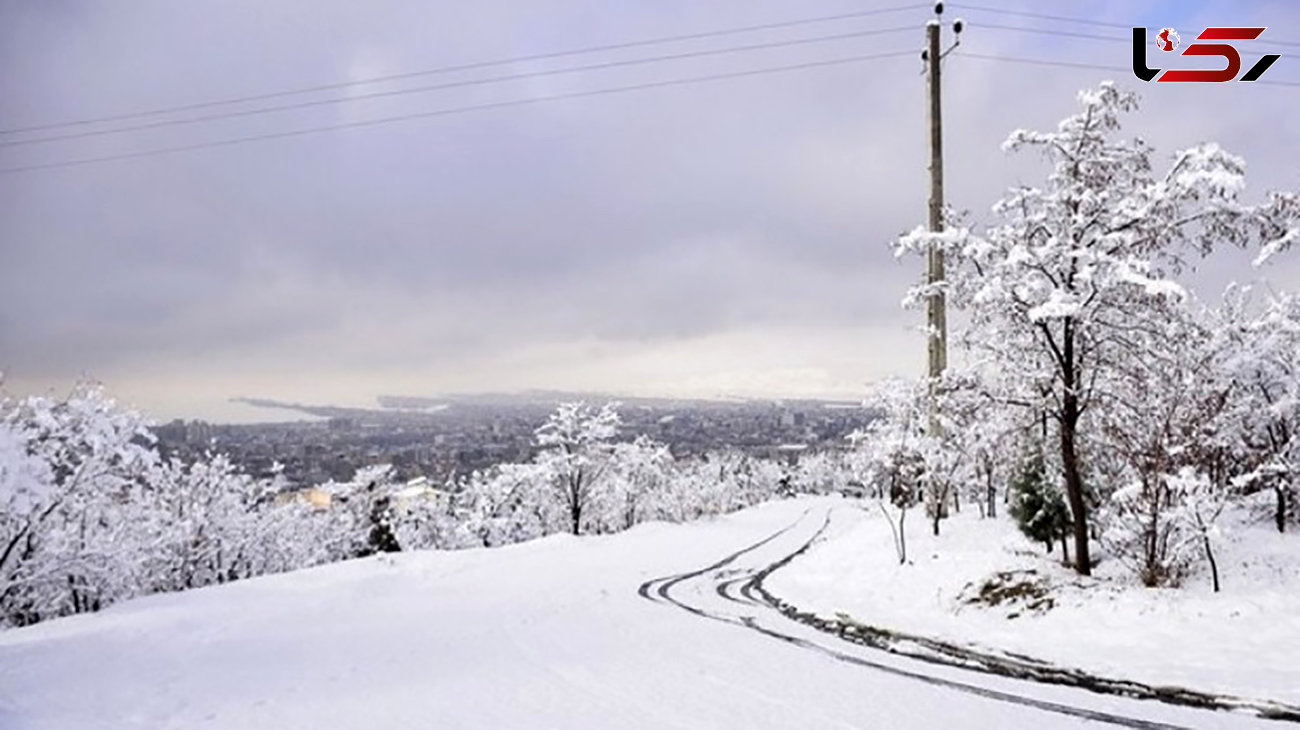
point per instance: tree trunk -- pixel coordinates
(900, 548)
(902, 537)
(1070, 456)
(1074, 489)
(992, 493)
(1214, 566)
(1154, 570)
(1279, 516)
(575, 502)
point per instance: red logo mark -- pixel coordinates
(1167, 40)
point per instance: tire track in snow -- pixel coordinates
(725, 588)
(660, 590)
(657, 589)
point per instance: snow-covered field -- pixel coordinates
(549, 634)
(1241, 641)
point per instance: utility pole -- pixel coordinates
(936, 307)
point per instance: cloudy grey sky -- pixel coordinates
(719, 238)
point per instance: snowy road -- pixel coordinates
(559, 633)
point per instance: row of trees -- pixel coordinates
(91, 514)
(584, 481)
(1140, 408)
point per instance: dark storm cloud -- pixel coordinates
(655, 216)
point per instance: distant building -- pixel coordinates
(413, 492)
(789, 453)
(314, 496)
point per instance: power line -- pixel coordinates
(467, 67)
(1039, 61)
(1270, 41)
(1073, 64)
(1091, 36)
(1084, 21)
(452, 85)
(1049, 31)
(1041, 16)
(458, 110)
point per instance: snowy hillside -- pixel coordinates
(561, 632)
(1241, 641)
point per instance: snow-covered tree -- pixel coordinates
(505, 504)
(635, 488)
(1260, 355)
(365, 502)
(894, 449)
(1051, 289)
(72, 470)
(975, 429)
(822, 472)
(1160, 416)
(207, 520)
(697, 487)
(427, 520)
(576, 443)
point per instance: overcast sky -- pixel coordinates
(720, 238)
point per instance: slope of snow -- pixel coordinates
(548, 634)
(1242, 641)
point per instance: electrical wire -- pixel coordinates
(452, 85)
(457, 110)
(1090, 36)
(1049, 31)
(555, 97)
(1039, 61)
(1071, 34)
(467, 67)
(1083, 21)
(1041, 16)
(1073, 64)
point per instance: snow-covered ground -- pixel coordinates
(1242, 641)
(562, 632)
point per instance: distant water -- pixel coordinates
(225, 411)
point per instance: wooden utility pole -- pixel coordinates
(936, 305)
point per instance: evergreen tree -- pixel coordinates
(381, 539)
(1038, 507)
